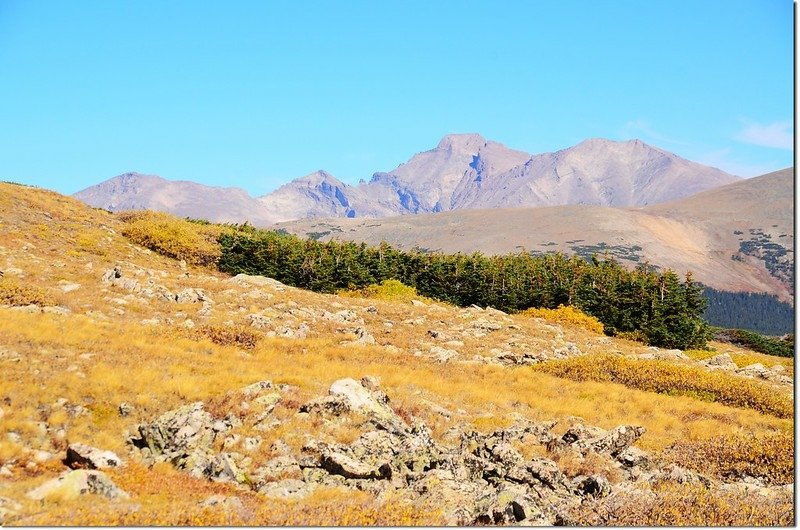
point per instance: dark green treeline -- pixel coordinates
(656, 305)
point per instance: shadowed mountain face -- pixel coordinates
(738, 237)
(464, 171)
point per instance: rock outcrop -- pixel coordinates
(472, 477)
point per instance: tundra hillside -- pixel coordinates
(141, 389)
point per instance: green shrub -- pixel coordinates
(782, 347)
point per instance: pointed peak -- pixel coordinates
(470, 141)
(319, 174)
(133, 175)
(318, 177)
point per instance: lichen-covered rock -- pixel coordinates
(722, 361)
(276, 469)
(287, 489)
(191, 295)
(613, 442)
(228, 467)
(339, 464)
(80, 456)
(183, 436)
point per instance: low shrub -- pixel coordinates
(236, 335)
(635, 336)
(173, 237)
(767, 457)
(668, 378)
(388, 290)
(567, 315)
(15, 294)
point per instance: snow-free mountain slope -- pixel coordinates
(737, 237)
(464, 171)
(315, 195)
(134, 191)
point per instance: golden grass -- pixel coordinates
(568, 315)
(668, 378)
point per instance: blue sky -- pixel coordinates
(254, 94)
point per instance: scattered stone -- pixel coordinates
(256, 388)
(72, 484)
(664, 355)
(339, 464)
(228, 467)
(191, 295)
(363, 336)
(286, 489)
(722, 361)
(69, 287)
(80, 456)
(486, 325)
(756, 370)
(8, 509)
(259, 321)
(278, 468)
(442, 355)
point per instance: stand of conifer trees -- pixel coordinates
(657, 305)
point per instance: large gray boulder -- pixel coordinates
(183, 436)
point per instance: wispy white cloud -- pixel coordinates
(777, 135)
(642, 129)
(727, 161)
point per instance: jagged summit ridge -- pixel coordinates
(464, 171)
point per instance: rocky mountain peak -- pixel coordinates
(470, 142)
(318, 177)
(464, 171)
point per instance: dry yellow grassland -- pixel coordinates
(64, 376)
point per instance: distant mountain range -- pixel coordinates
(464, 171)
(737, 237)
